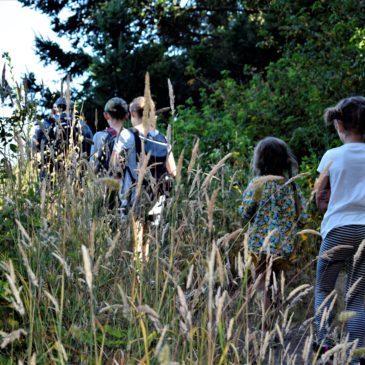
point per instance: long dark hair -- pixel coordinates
(350, 111)
(272, 156)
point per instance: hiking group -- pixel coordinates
(272, 206)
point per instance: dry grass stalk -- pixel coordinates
(53, 300)
(8, 338)
(353, 288)
(171, 96)
(296, 291)
(214, 170)
(231, 236)
(359, 251)
(33, 279)
(126, 307)
(87, 267)
(345, 316)
(326, 300)
(194, 155)
(329, 254)
(230, 329)
(264, 345)
(96, 119)
(308, 231)
(195, 183)
(61, 350)
(266, 244)
(220, 303)
(327, 311)
(186, 319)
(307, 349)
(111, 183)
(190, 277)
(68, 94)
(63, 262)
(179, 168)
(259, 182)
(296, 177)
(211, 204)
(211, 262)
(240, 266)
(141, 174)
(10, 276)
(300, 296)
(152, 315)
(149, 114)
(160, 341)
(169, 136)
(24, 233)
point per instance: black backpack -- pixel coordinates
(157, 146)
(104, 154)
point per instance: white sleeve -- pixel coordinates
(326, 159)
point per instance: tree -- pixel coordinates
(116, 41)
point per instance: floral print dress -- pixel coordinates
(271, 209)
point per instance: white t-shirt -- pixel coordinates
(347, 180)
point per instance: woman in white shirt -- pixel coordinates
(341, 193)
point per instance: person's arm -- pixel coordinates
(323, 193)
(170, 164)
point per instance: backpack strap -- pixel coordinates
(137, 142)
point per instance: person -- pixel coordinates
(161, 165)
(136, 109)
(341, 194)
(51, 137)
(273, 208)
(116, 114)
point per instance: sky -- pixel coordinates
(18, 28)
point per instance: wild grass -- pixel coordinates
(74, 291)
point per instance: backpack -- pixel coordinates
(104, 154)
(60, 133)
(157, 146)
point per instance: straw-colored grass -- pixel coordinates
(74, 291)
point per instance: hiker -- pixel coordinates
(161, 166)
(273, 208)
(51, 138)
(116, 114)
(341, 194)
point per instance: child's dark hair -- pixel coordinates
(117, 108)
(350, 111)
(272, 156)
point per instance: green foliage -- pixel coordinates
(321, 62)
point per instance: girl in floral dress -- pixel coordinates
(272, 206)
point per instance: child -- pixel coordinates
(273, 207)
(341, 192)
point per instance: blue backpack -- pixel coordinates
(157, 146)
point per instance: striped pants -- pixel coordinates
(340, 249)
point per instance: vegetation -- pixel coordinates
(72, 286)
(74, 289)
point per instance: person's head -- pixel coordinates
(136, 108)
(61, 104)
(116, 109)
(348, 116)
(272, 156)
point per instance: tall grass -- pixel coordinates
(74, 292)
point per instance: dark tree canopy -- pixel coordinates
(115, 42)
